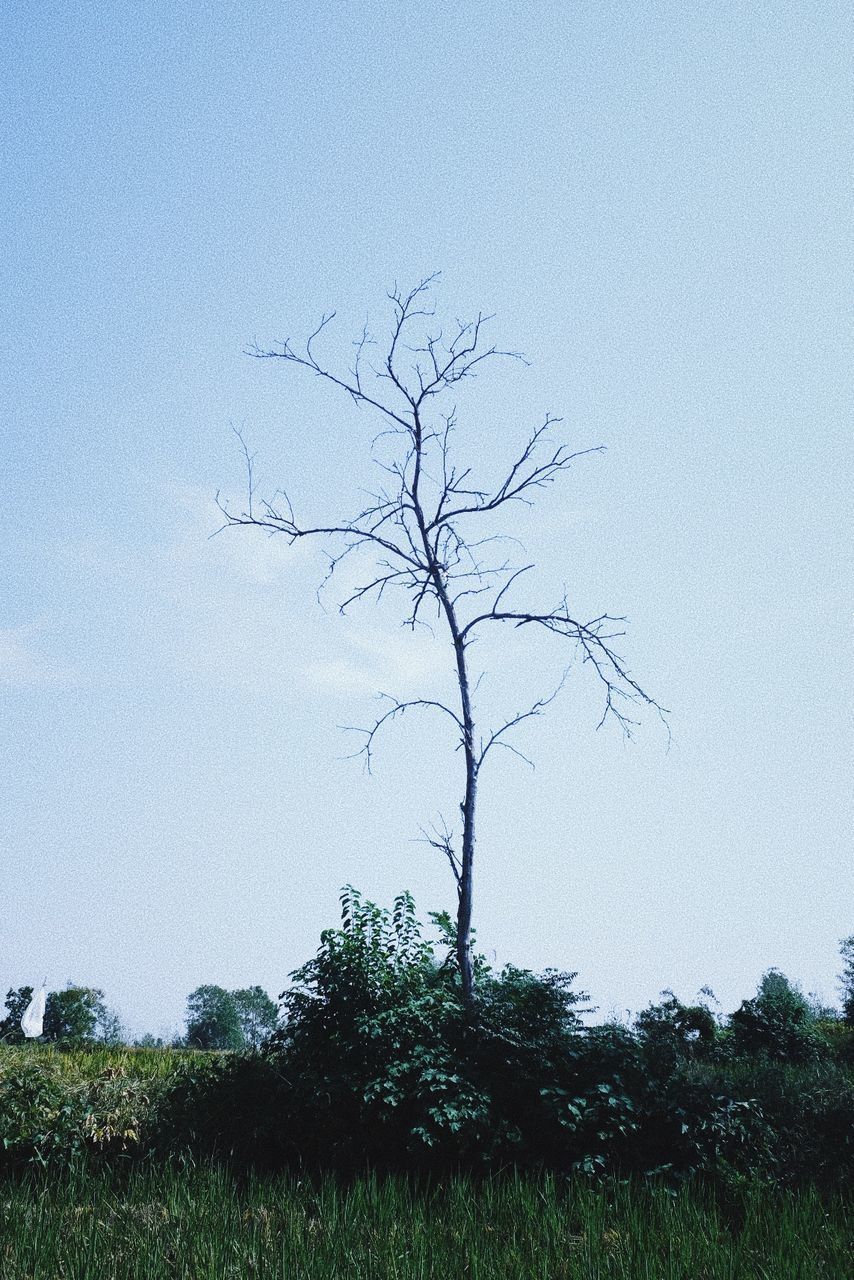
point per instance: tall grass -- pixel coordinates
(201, 1223)
(87, 1062)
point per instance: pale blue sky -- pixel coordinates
(655, 200)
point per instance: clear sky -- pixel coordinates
(655, 200)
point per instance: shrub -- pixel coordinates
(16, 1003)
(846, 979)
(671, 1032)
(778, 1022)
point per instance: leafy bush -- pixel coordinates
(365, 1041)
(846, 979)
(379, 1063)
(671, 1032)
(35, 1110)
(778, 1022)
(58, 1106)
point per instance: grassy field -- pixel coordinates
(65, 1218)
(89, 1062)
(198, 1222)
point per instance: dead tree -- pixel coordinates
(425, 529)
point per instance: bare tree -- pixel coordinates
(428, 531)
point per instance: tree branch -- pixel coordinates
(593, 638)
(535, 710)
(397, 708)
(520, 479)
(441, 839)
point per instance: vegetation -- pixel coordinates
(163, 1222)
(74, 1015)
(218, 1019)
(389, 1127)
(379, 1063)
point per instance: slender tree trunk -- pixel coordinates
(465, 882)
(468, 807)
(464, 908)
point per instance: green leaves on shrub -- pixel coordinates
(377, 1063)
(778, 1022)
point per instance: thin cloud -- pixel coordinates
(22, 665)
(254, 557)
(396, 662)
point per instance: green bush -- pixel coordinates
(378, 1063)
(671, 1032)
(58, 1106)
(778, 1023)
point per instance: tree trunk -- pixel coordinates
(436, 571)
(464, 908)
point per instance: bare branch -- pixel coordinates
(496, 739)
(307, 361)
(522, 477)
(396, 709)
(276, 522)
(441, 839)
(593, 639)
(377, 585)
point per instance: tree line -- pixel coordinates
(779, 1020)
(378, 1060)
(216, 1019)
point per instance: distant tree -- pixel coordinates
(16, 1003)
(671, 1030)
(846, 979)
(777, 1022)
(148, 1041)
(432, 531)
(258, 1014)
(73, 1015)
(213, 1020)
(109, 1028)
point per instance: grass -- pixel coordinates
(87, 1063)
(200, 1222)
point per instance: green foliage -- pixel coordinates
(778, 1022)
(73, 1015)
(363, 1037)
(35, 1109)
(16, 1004)
(378, 1063)
(109, 1029)
(257, 1013)
(55, 1107)
(230, 1020)
(149, 1041)
(800, 1116)
(671, 1032)
(389, 1067)
(213, 1020)
(846, 979)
